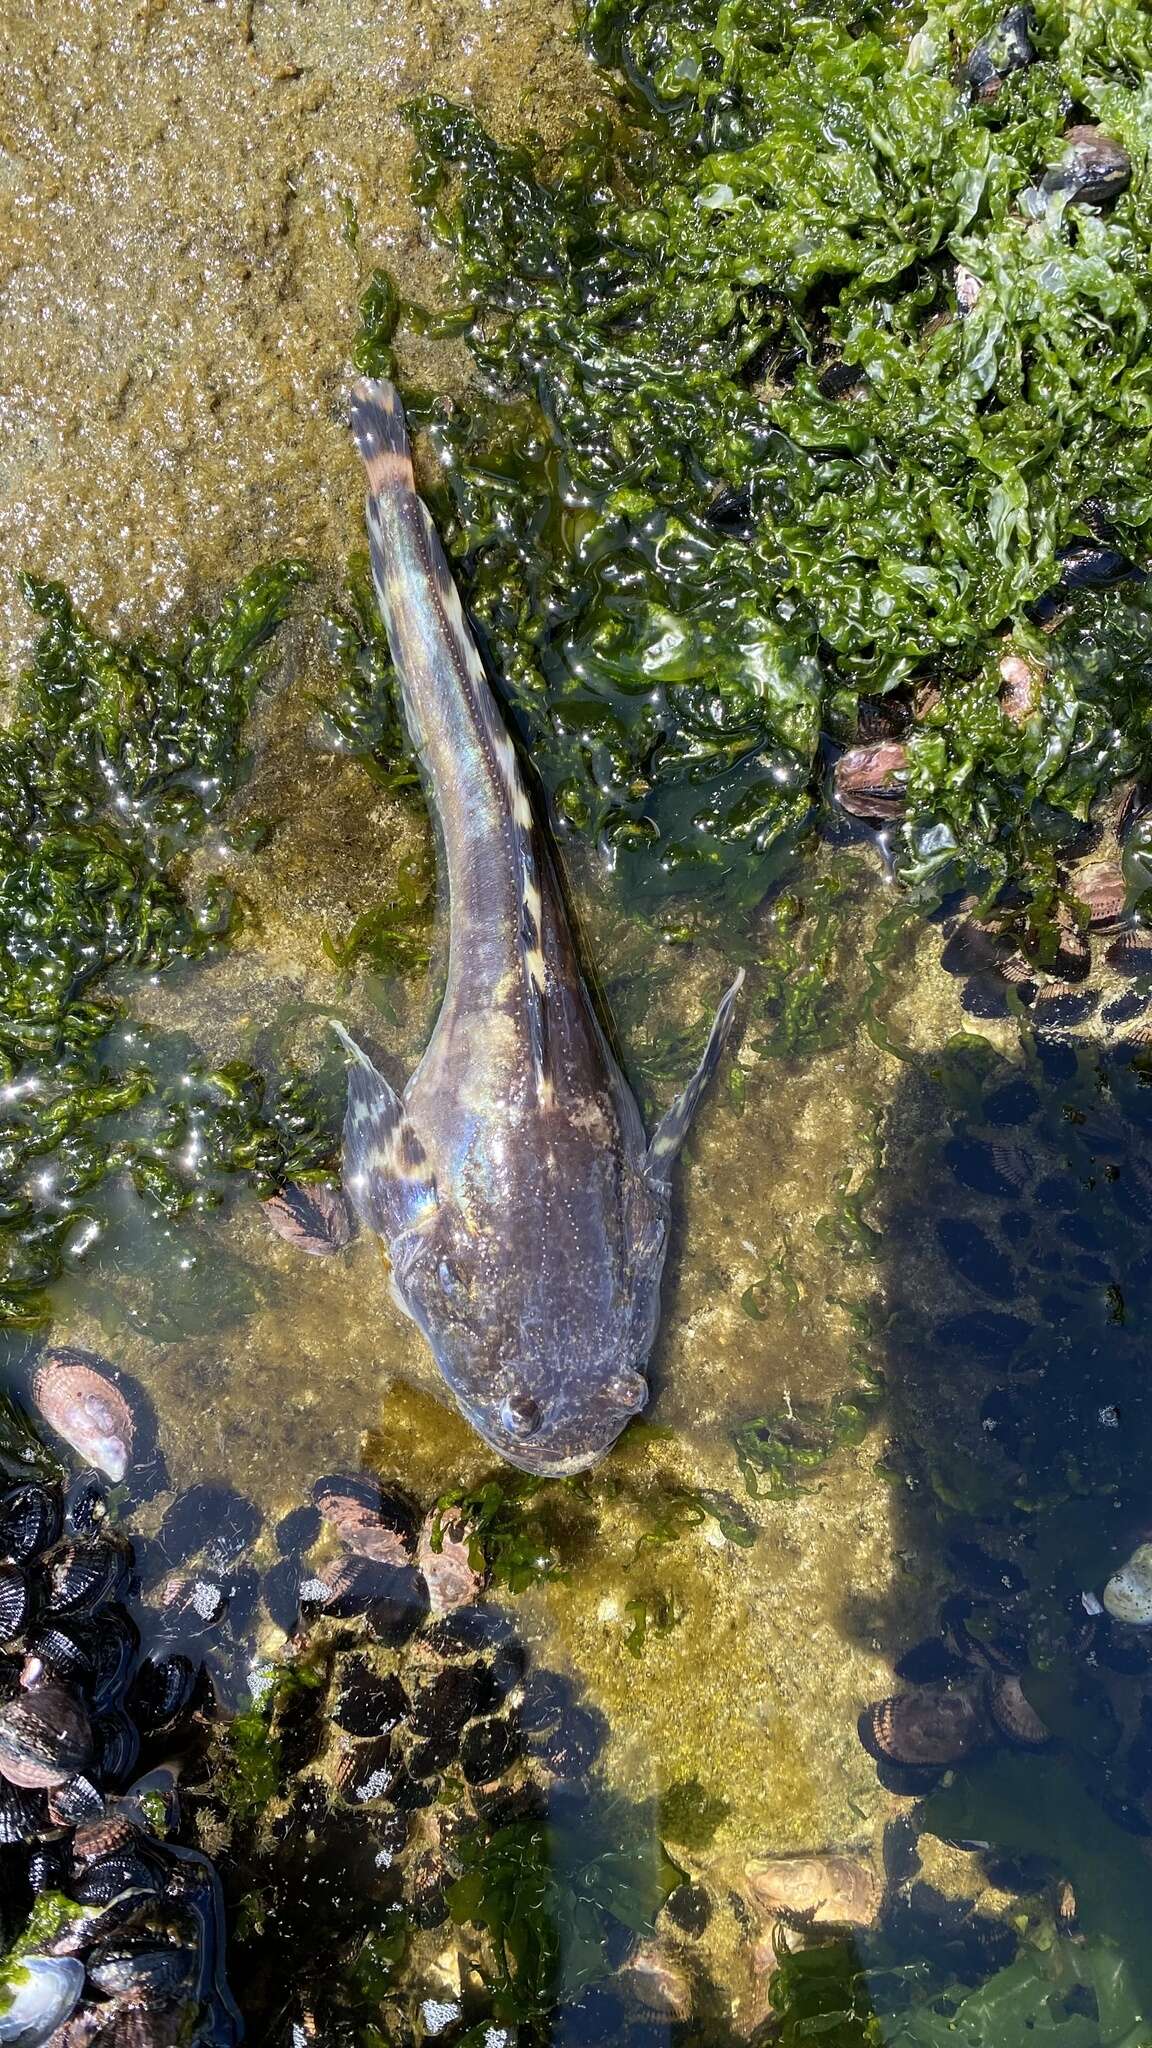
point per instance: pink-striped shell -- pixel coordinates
(77, 1395)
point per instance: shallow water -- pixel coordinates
(180, 292)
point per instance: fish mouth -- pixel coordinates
(541, 1460)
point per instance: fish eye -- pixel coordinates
(520, 1414)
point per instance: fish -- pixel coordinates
(524, 1210)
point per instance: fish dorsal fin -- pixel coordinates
(382, 438)
(522, 824)
(387, 1178)
(672, 1129)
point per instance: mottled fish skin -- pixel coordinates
(524, 1210)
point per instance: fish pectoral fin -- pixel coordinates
(387, 1177)
(673, 1126)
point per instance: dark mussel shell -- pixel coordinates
(45, 1737)
(280, 1592)
(929, 1662)
(980, 1635)
(468, 1628)
(689, 1908)
(546, 1696)
(112, 1834)
(407, 1793)
(1006, 49)
(1093, 169)
(23, 1813)
(367, 1772)
(445, 1702)
(488, 1748)
(143, 1972)
(393, 1603)
(314, 1219)
(50, 1864)
(75, 1802)
(14, 1601)
(161, 1690)
(116, 1747)
(190, 1606)
(1014, 1715)
(86, 1508)
(927, 1729)
(211, 1520)
(64, 1653)
(428, 1759)
(298, 1530)
(31, 1518)
(575, 1743)
(126, 1871)
(114, 1647)
(84, 1572)
(869, 781)
(375, 1521)
(368, 1702)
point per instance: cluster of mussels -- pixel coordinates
(131, 1950)
(417, 1743)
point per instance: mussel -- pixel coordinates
(313, 1219)
(869, 781)
(927, 1729)
(40, 1992)
(1093, 169)
(45, 1737)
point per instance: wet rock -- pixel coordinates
(689, 1908)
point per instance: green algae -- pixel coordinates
(118, 757)
(744, 457)
(548, 1894)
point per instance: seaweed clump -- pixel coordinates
(117, 758)
(813, 368)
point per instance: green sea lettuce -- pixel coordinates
(743, 457)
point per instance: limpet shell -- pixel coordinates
(1128, 1594)
(77, 1395)
(817, 1891)
(448, 1571)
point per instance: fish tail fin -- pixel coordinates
(381, 436)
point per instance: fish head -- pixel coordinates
(544, 1353)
